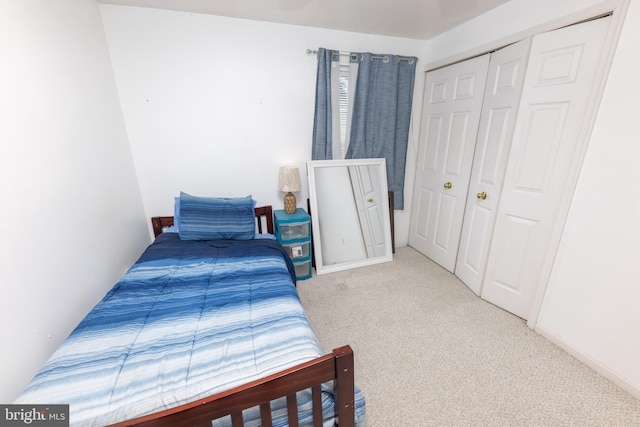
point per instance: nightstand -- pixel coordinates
(293, 231)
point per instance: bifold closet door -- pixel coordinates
(507, 68)
(545, 160)
(451, 113)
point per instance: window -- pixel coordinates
(343, 99)
(343, 83)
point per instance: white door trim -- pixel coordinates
(618, 10)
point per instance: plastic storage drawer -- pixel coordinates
(303, 269)
(298, 250)
(294, 231)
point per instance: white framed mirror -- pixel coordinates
(349, 207)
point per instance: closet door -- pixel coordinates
(451, 113)
(499, 110)
(544, 163)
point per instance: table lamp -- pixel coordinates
(289, 182)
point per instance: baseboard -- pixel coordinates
(601, 369)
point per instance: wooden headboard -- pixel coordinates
(263, 214)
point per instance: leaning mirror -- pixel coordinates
(350, 213)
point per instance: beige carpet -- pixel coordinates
(429, 352)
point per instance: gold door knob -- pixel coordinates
(370, 199)
(482, 195)
(448, 185)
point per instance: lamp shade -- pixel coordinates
(289, 179)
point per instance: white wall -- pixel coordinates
(72, 218)
(215, 105)
(591, 303)
(507, 22)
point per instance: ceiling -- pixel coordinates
(415, 19)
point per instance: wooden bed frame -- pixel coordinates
(337, 366)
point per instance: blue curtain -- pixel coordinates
(382, 113)
(321, 148)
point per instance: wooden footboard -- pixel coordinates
(337, 366)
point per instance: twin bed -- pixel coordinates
(206, 328)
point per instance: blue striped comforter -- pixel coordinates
(188, 320)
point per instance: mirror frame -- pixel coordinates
(316, 223)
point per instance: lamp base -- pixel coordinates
(290, 203)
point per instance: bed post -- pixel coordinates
(344, 386)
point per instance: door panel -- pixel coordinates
(444, 223)
(520, 232)
(430, 153)
(502, 96)
(549, 133)
(451, 113)
(473, 255)
(455, 146)
(493, 149)
(539, 147)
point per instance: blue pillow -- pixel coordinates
(176, 213)
(211, 218)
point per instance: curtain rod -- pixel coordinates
(385, 58)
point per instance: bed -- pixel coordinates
(202, 332)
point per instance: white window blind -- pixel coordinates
(344, 74)
(343, 80)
